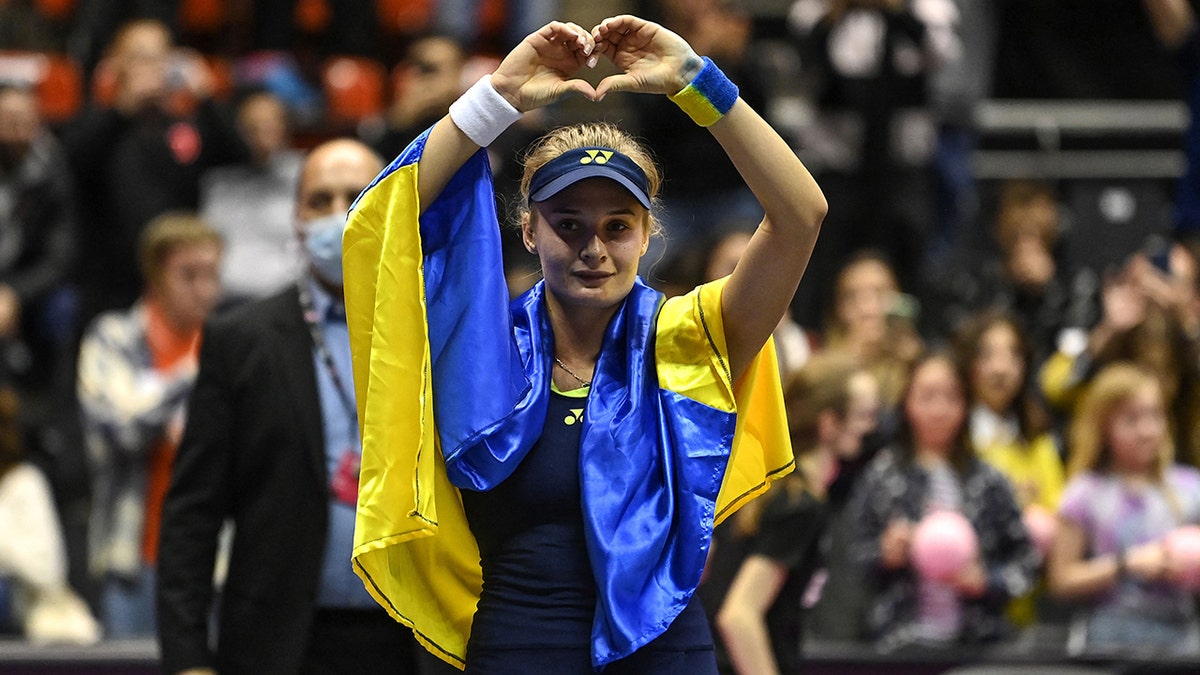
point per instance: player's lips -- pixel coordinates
(592, 275)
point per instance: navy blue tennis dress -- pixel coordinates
(538, 601)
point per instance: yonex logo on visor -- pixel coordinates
(597, 156)
(594, 162)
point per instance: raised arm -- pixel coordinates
(535, 73)
(655, 60)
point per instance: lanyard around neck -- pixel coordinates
(313, 320)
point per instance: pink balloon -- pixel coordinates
(1041, 525)
(1183, 546)
(943, 545)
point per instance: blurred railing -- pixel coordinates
(1080, 139)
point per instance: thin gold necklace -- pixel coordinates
(582, 382)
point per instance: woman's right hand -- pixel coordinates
(538, 71)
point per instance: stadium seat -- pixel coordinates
(56, 79)
(203, 17)
(355, 88)
(404, 16)
(312, 16)
(55, 10)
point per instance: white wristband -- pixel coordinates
(482, 113)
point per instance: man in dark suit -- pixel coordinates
(272, 444)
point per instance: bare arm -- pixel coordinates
(537, 72)
(1069, 573)
(1072, 575)
(766, 277)
(742, 619)
(655, 60)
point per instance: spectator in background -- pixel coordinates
(272, 444)
(770, 553)
(1150, 316)
(1008, 426)
(39, 321)
(33, 561)
(38, 231)
(139, 158)
(873, 321)
(136, 368)
(932, 467)
(1025, 278)
(428, 80)
(1124, 496)
(252, 204)
(96, 21)
(1007, 423)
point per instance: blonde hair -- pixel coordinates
(601, 134)
(168, 233)
(1110, 388)
(119, 41)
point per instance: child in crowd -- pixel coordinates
(1008, 427)
(770, 553)
(931, 467)
(1150, 317)
(1124, 496)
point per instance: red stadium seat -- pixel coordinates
(55, 78)
(404, 16)
(355, 88)
(55, 10)
(203, 17)
(312, 16)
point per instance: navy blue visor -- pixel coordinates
(594, 162)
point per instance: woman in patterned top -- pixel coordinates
(931, 466)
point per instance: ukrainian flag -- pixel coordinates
(451, 384)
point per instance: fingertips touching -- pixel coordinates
(583, 38)
(603, 33)
(619, 82)
(582, 87)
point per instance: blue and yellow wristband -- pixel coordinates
(708, 96)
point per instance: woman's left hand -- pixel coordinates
(652, 59)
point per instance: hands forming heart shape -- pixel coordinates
(650, 58)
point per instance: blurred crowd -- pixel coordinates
(949, 351)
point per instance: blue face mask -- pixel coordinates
(323, 243)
